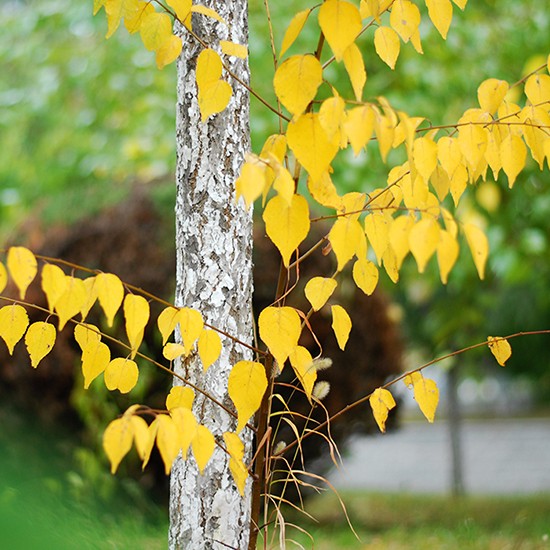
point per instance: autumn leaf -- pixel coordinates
(167, 321)
(341, 324)
(387, 45)
(355, 67)
(117, 440)
(236, 50)
(381, 402)
(180, 396)
(294, 28)
(13, 324)
(191, 325)
(365, 275)
(203, 446)
(377, 227)
(513, 154)
(85, 333)
(426, 393)
(181, 7)
(491, 94)
(347, 239)
(70, 303)
(318, 290)
(309, 142)
(96, 356)
(423, 241)
(441, 14)
(246, 387)
(110, 293)
(3, 277)
(169, 51)
(252, 180)
(214, 98)
(304, 367)
(209, 347)
(359, 126)
(500, 348)
(280, 330)
(479, 247)
(121, 374)
(235, 448)
(171, 351)
(340, 22)
(296, 82)
(447, 254)
(537, 89)
(155, 30)
(40, 339)
(405, 19)
(287, 225)
(187, 427)
(54, 284)
(22, 267)
(136, 313)
(167, 440)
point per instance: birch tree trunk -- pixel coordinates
(214, 275)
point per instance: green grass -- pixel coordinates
(405, 521)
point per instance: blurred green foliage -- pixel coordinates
(83, 118)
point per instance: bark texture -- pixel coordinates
(213, 275)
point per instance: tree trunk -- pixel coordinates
(214, 275)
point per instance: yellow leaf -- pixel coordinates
(98, 4)
(447, 254)
(121, 374)
(110, 293)
(399, 237)
(252, 180)
(180, 396)
(117, 440)
(535, 138)
(181, 7)
(133, 20)
(387, 45)
(54, 284)
(384, 128)
(136, 313)
(84, 333)
(458, 183)
(381, 402)
(303, 366)
(472, 139)
(425, 156)
(294, 28)
(390, 264)
(117, 10)
(492, 153)
(91, 296)
(95, 358)
(236, 50)
(296, 82)
(323, 191)
(426, 393)
(280, 330)
(405, 19)
(149, 441)
(167, 440)
(274, 145)
(355, 67)
(169, 51)
(246, 386)
(331, 116)
(141, 434)
(3, 277)
(449, 154)
(22, 267)
(208, 12)
(341, 325)
(491, 93)
(311, 145)
(287, 226)
(340, 22)
(423, 241)
(365, 275)
(347, 238)
(479, 247)
(171, 351)
(284, 185)
(209, 67)
(155, 30)
(318, 290)
(537, 89)
(359, 126)
(214, 98)
(461, 3)
(40, 339)
(440, 182)
(167, 321)
(513, 154)
(441, 14)
(13, 324)
(209, 347)
(187, 427)
(203, 446)
(191, 325)
(71, 301)
(377, 228)
(235, 448)
(500, 348)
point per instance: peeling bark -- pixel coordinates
(214, 275)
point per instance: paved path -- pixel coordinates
(499, 456)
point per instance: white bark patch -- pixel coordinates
(214, 275)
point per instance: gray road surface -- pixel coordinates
(499, 456)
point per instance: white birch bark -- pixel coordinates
(214, 275)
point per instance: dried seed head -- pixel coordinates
(320, 390)
(322, 363)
